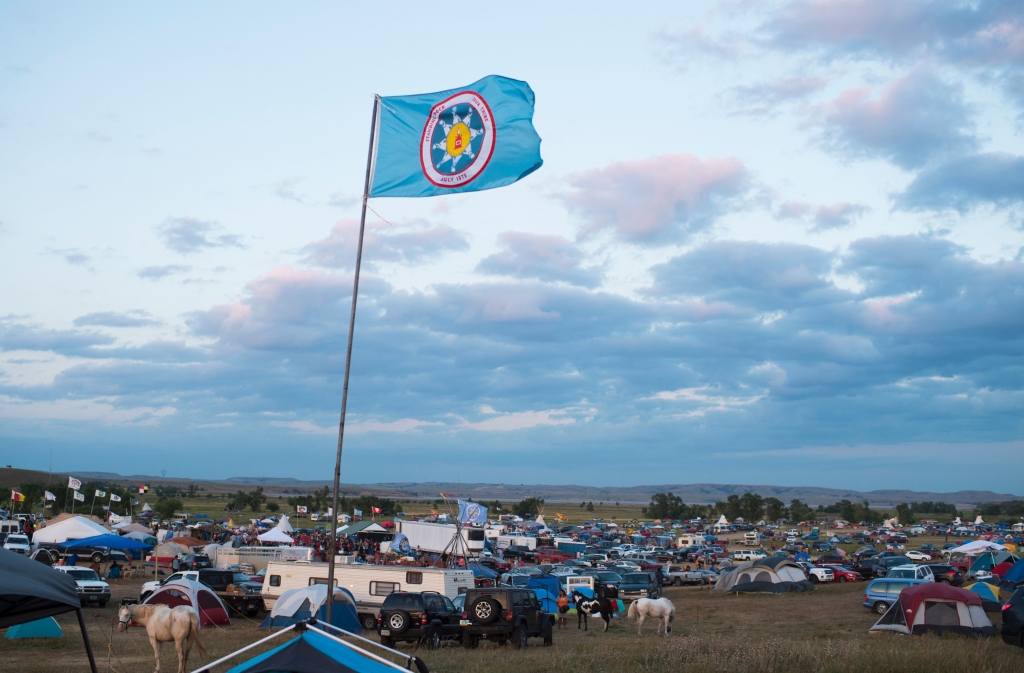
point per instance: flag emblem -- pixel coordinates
(17, 497)
(458, 140)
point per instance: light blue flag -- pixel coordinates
(472, 512)
(476, 137)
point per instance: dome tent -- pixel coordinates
(933, 606)
(296, 605)
(771, 575)
(47, 627)
(199, 597)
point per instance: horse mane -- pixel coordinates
(145, 611)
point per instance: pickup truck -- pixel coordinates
(550, 555)
(748, 554)
(677, 576)
(233, 587)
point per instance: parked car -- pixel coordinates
(946, 574)
(504, 615)
(638, 585)
(606, 582)
(194, 562)
(419, 617)
(677, 576)
(915, 555)
(817, 574)
(878, 565)
(17, 543)
(1012, 630)
(150, 587)
(495, 564)
(748, 554)
(911, 572)
(844, 574)
(91, 589)
(882, 593)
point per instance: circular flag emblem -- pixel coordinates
(458, 140)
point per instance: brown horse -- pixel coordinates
(164, 624)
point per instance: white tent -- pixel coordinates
(275, 535)
(976, 547)
(144, 537)
(284, 524)
(147, 508)
(978, 521)
(76, 528)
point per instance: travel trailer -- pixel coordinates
(436, 537)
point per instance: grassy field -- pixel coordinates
(826, 630)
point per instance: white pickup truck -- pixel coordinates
(150, 587)
(817, 573)
(748, 554)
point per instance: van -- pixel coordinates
(690, 540)
(9, 528)
(369, 584)
(881, 594)
(752, 539)
(911, 572)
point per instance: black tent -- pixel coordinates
(31, 591)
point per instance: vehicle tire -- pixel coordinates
(484, 610)
(433, 639)
(677, 582)
(368, 622)
(387, 641)
(881, 607)
(548, 635)
(470, 641)
(944, 580)
(143, 597)
(518, 637)
(398, 621)
(814, 579)
(842, 579)
(97, 557)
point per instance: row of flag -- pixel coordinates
(76, 485)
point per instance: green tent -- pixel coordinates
(47, 627)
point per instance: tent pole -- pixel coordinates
(85, 637)
(348, 362)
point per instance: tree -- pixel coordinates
(273, 506)
(590, 506)
(752, 507)
(774, 509)
(528, 507)
(798, 511)
(667, 506)
(903, 513)
(166, 507)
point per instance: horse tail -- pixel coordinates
(193, 633)
(632, 614)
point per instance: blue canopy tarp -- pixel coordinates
(108, 541)
(313, 653)
(47, 627)
(480, 571)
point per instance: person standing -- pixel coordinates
(563, 608)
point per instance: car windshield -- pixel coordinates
(635, 578)
(84, 574)
(238, 578)
(18, 539)
(610, 577)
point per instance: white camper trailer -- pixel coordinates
(369, 584)
(436, 537)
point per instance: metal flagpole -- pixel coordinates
(333, 551)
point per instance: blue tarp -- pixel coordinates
(480, 571)
(108, 541)
(313, 652)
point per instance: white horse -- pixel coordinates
(655, 608)
(164, 624)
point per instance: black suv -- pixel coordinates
(947, 574)
(504, 615)
(1013, 619)
(426, 617)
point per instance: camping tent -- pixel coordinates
(188, 542)
(141, 537)
(990, 560)
(1002, 568)
(31, 591)
(146, 508)
(275, 535)
(933, 606)
(546, 587)
(197, 596)
(313, 652)
(284, 524)
(989, 594)
(296, 605)
(73, 528)
(47, 627)
(126, 528)
(1013, 576)
(771, 575)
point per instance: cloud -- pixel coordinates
(665, 199)
(544, 257)
(909, 122)
(519, 420)
(158, 272)
(407, 243)
(115, 319)
(286, 190)
(705, 399)
(765, 97)
(98, 409)
(964, 183)
(72, 256)
(19, 336)
(187, 235)
(834, 216)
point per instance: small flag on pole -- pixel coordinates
(301, 509)
(135, 502)
(115, 498)
(17, 497)
(357, 512)
(472, 512)
(143, 488)
(50, 496)
(376, 510)
(100, 494)
(74, 484)
(462, 140)
(80, 497)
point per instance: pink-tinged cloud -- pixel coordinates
(654, 201)
(907, 122)
(407, 243)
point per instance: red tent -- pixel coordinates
(1002, 568)
(194, 595)
(933, 606)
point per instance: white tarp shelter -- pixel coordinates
(275, 535)
(76, 528)
(977, 547)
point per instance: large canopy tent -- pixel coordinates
(31, 591)
(73, 528)
(275, 535)
(975, 547)
(108, 541)
(933, 606)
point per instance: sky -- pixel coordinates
(771, 242)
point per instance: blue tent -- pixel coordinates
(546, 588)
(1014, 575)
(480, 571)
(108, 541)
(47, 627)
(297, 605)
(312, 652)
